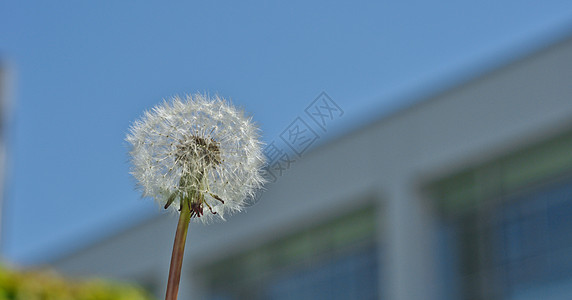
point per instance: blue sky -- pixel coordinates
(83, 71)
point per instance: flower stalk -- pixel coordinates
(178, 250)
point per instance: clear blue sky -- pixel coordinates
(83, 71)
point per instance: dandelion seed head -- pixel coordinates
(198, 147)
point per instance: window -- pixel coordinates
(506, 226)
(533, 239)
(337, 260)
(352, 275)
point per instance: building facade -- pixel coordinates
(466, 195)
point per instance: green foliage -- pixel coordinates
(46, 285)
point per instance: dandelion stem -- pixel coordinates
(178, 251)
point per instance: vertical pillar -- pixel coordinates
(410, 232)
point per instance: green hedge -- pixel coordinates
(46, 285)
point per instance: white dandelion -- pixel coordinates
(195, 155)
(199, 151)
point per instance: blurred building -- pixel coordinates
(467, 195)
